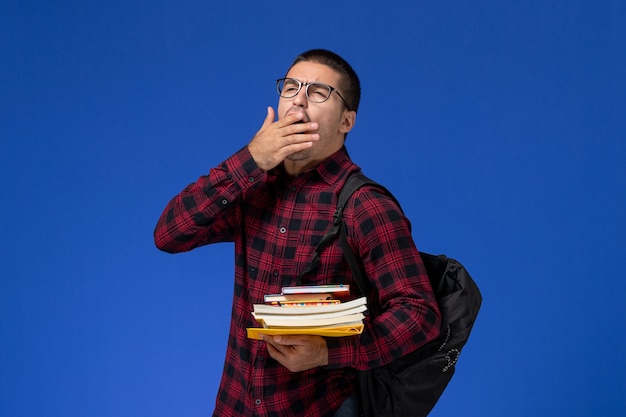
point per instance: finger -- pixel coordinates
(295, 142)
(269, 118)
(274, 353)
(272, 343)
(290, 119)
(282, 358)
(287, 340)
(296, 340)
(277, 351)
(309, 127)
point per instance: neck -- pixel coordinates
(302, 161)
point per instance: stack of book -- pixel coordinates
(317, 310)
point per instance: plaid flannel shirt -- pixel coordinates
(275, 223)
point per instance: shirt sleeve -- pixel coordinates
(206, 211)
(403, 309)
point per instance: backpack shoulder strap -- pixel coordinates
(352, 184)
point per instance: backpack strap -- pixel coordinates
(352, 184)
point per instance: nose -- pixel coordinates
(300, 99)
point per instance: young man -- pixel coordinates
(275, 199)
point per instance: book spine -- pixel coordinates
(306, 303)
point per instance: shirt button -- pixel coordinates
(224, 202)
(250, 179)
(275, 273)
(283, 230)
(257, 401)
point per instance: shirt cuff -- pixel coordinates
(243, 169)
(342, 351)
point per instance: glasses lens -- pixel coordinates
(319, 93)
(288, 87)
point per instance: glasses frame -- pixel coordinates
(306, 90)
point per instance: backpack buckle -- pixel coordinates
(337, 216)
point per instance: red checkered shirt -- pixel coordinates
(276, 222)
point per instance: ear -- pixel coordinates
(348, 119)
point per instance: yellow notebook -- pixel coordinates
(333, 331)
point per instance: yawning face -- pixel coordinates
(332, 117)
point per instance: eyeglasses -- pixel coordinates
(315, 92)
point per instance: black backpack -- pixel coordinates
(411, 385)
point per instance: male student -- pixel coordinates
(274, 198)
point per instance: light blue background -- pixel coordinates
(500, 126)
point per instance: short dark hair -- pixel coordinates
(350, 84)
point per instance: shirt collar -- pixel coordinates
(331, 170)
(336, 166)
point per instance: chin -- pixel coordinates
(299, 156)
